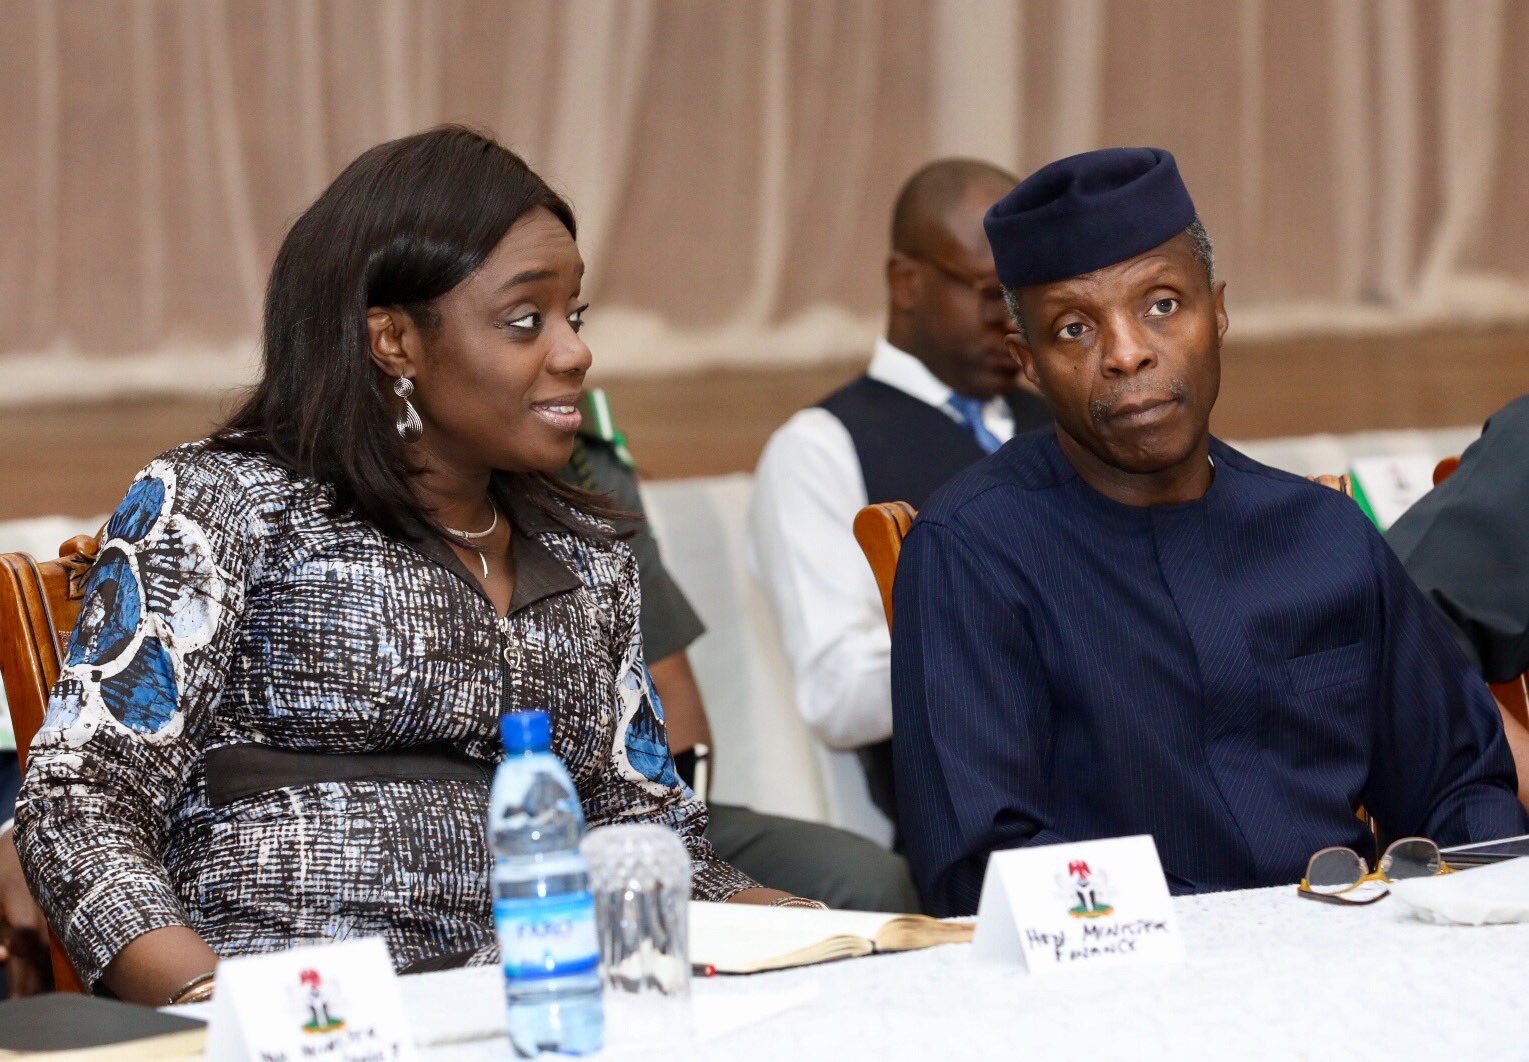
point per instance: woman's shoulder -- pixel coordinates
(211, 481)
(213, 458)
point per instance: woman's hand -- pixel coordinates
(765, 897)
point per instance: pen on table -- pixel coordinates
(702, 969)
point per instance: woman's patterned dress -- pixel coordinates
(277, 726)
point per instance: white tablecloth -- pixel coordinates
(1269, 975)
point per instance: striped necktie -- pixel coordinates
(970, 411)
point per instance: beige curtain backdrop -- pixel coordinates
(1360, 163)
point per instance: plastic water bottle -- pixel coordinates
(544, 913)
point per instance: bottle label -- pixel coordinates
(552, 937)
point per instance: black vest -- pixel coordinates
(908, 449)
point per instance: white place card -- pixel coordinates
(329, 1002)
(1392, 485)
(1077, 906)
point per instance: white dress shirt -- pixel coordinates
(802, 550)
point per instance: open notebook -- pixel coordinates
(739, 938)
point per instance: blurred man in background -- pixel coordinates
(939, 394)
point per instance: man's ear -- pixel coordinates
(903, 282)
(391, 332)
(1218, 293)
(1020, 351)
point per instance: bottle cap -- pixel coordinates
(526, 731)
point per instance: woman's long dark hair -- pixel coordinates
(402, 225)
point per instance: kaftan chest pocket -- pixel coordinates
(1328, 668)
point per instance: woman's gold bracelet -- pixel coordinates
(798, 901)
(197, 990)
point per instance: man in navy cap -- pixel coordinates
(1121, 625)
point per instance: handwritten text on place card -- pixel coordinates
(1088, 904)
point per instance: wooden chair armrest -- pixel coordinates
(880, 529)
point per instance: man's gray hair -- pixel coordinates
(1199, 243)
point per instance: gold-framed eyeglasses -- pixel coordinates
(1341, 875)
(986, 286)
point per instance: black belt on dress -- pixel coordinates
(235, 772)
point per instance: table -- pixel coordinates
(1269, 975)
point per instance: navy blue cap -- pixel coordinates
(526, 731)
(1086, 212)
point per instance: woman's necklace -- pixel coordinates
(469, 537)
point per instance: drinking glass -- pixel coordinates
(640, 876)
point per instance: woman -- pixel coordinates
(280, 708)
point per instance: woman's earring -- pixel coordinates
(409, 426)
